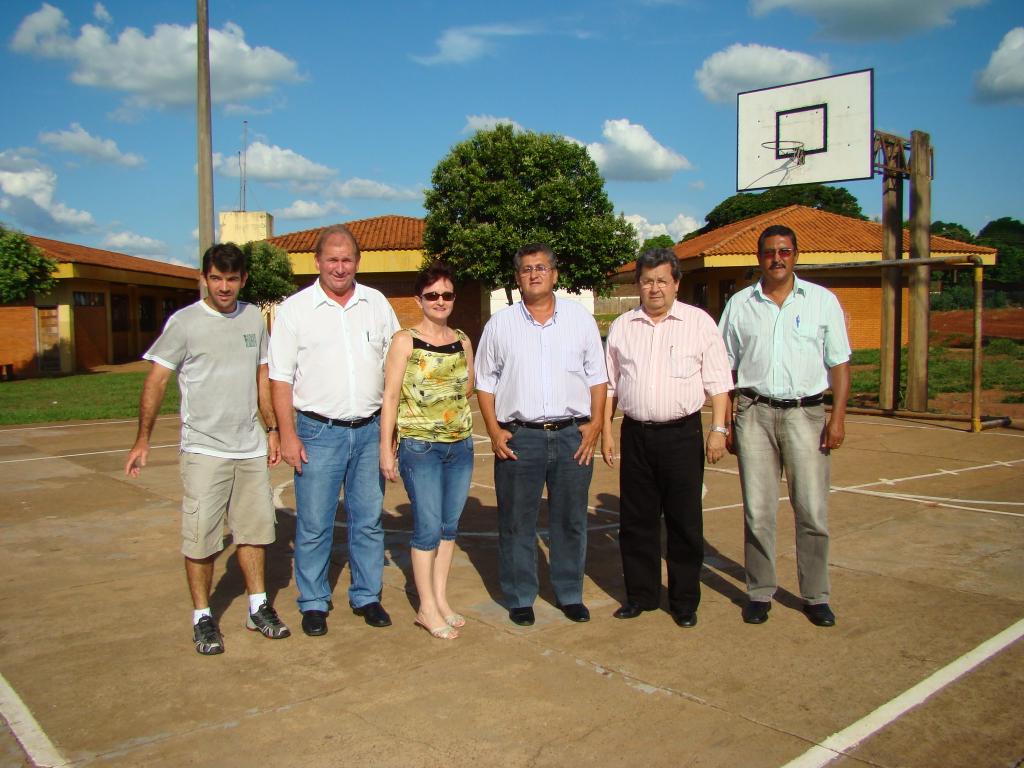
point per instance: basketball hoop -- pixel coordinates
(785, 149)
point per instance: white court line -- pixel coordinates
(89, 453)
(839, 744)
(27, 730)
(83, 424)
(932, 501)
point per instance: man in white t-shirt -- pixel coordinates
(218, 348)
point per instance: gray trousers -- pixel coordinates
(769, 440)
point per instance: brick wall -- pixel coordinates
(861, 301)
(18, 338)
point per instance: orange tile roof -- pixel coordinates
(71, 253)
(816, 231)
(381, 233)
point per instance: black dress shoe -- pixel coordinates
(685, 618)
(756, 611)
(577, 612)
(314, 623)
(820, 615)
(373, 614)
(522, 616)
(629, 610)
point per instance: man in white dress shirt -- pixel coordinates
(327, 380)
(541, 386)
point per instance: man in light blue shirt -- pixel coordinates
(541, 385)
(787, 343)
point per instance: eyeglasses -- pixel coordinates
(434, 296)
(539, 269)
(660, 282)
(783, 252)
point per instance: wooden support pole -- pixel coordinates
(892, 299)
(920, 276)
(204, 133)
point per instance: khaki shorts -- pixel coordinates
(215, 489)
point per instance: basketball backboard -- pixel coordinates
(814, 131)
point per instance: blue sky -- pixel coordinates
(350, 105)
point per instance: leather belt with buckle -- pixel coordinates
(774, 402)
(550, 426)
(350, 423)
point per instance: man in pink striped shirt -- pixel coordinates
(663, 358)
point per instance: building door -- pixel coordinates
(48, 335)
(91, 345)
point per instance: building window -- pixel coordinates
(89, 299)
(700, 295)
(147, 313)
(170, 306)
(120, 312)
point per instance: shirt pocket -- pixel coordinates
(374, 346)
(683, 365)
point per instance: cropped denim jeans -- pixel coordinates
(437, 477)
(338, 457)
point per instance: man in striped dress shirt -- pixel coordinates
(663, 358)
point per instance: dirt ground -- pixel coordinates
(924, 667)
(1005, 323)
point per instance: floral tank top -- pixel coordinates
(433, 405)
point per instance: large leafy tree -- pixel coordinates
(950, 229)
(747, 204)
(1007, 236)
(270, 274)
(502, 189)
(24, 269)
(658, 241)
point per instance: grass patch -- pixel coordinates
(85, 397)
(949, 370)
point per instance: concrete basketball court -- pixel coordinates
(924, 667)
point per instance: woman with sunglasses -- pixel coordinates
(428, 378)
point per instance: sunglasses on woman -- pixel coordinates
(434, 296)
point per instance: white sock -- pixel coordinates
(199, 613)
(255, 601)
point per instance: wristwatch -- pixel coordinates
(720, 428)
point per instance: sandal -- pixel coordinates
(441, 633)
(456, 620)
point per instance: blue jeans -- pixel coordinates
(338, 456)
(543, 457)
(436, 477)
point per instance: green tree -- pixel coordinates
(661, 241)
(24, 269)
(952, 230)
(270, 274)
(747, 204)
(502, 189)
(1007, 236)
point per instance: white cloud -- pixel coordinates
(870, 19)
(371, 190)
(1003, 78)
(680, 226)
(158, 70)
(269, 162)
(101, 14)
(27, 189)
(630, 153)
(746, 67)
(134, 244)
(696, 184)
(305, 209)
(476, 123)
(78, 141)
(460, 45)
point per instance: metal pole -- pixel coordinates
(976, 356)
(892, 299)
(204, 136)
(920, 277)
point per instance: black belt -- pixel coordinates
(772, 402)
(350, 423)
(550, 426)
(662, 424)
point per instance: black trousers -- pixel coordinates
(661, 473)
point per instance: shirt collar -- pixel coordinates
(798, 287)
(322, 298)
(530, 319)
(675, 312)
